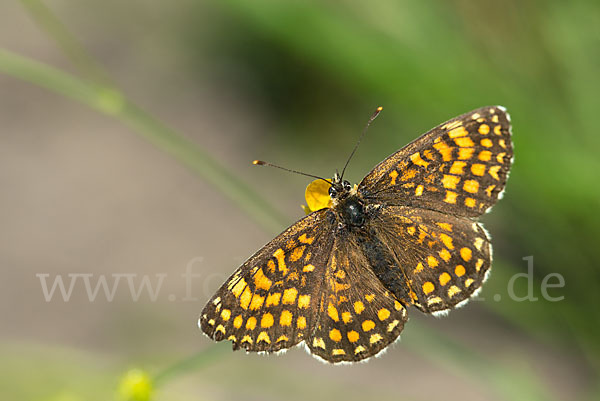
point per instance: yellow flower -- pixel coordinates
(136, 385)
(317, 196)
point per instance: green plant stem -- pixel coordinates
(111, 102)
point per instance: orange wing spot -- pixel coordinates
(353, 336)
(419, 267)
(337, 287)
(368, 325)
(478, 169)
(445, 150)
(468, 282)
(450, 197)
(411, 230)
(408, 174)
(445, 226)
(308, 268)
(393, 325)
(280, 256)
(459, 270)
(398, 305)
(238, 287)
(245, 298)
(494, 117)
(444, 278)
(220, 328)
(303, 301)
(251, 323)
(489, 190)
(297, 253)
(464, 142)
(471, 186)
(246, 339)
(478, 243)
(485, 155)
(271, 266)
(370, 297)
(359, 307)
(445, 255)
(273, 299)
(413, 296)
(307, 257)
(428, 154)
(282, 338)
(484, 129)
(301, 322)
(500, 157)
(237, 322)
(494, 172)
(257, 302)
(470, 202)
(383, 314)
(457, 168)
(447, 240)
(346, 317)
(458, 132)
(306, 240)
(450, 181)
(263, 336)
(289, 296)
(478, 264)
(428, 287)
(332, 312)
(286, 318)
(466, 254)
(318, 342)
(432, 262)
(475, 116)
(498, 129)
(225, 314)
(453, 290)
(419, 190)
(375, 338)
(394, 175)
(452, 125)
(465, 153)
(487, 142)
(290, 244)
(262, 281)
(266, 321)
(338, 351)
(341, 274)
(502, 143)
(416, 159)
(335, 335)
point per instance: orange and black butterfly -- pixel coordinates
(340, 279)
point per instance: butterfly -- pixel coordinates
(340, 280)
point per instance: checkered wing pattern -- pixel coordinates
(358, 316)
(443, 260)
(459, 167)
(271, 302)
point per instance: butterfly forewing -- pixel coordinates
(358, 316)
(271, 302)
(459, 167)
(444, 259)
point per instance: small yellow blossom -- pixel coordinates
(317, 196)
(136, 385)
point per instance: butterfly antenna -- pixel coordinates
(373, 117)
(262, 163)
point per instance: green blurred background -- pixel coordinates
(127, 132)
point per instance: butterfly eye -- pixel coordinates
(332, 192)
(347, 185)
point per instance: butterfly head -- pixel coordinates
(339, 189)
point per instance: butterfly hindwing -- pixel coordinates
(444, 259)
(459, 167)
(358, 316)
(270, 302)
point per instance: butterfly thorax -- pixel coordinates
(347, 203)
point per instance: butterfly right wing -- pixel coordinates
(270, 302)
(459, 167)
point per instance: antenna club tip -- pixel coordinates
(379, 109)
(258, 162)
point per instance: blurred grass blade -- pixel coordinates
(111, 102)
(198, 361)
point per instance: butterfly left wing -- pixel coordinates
(270, 302)
(358, 317)
(459, 167)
